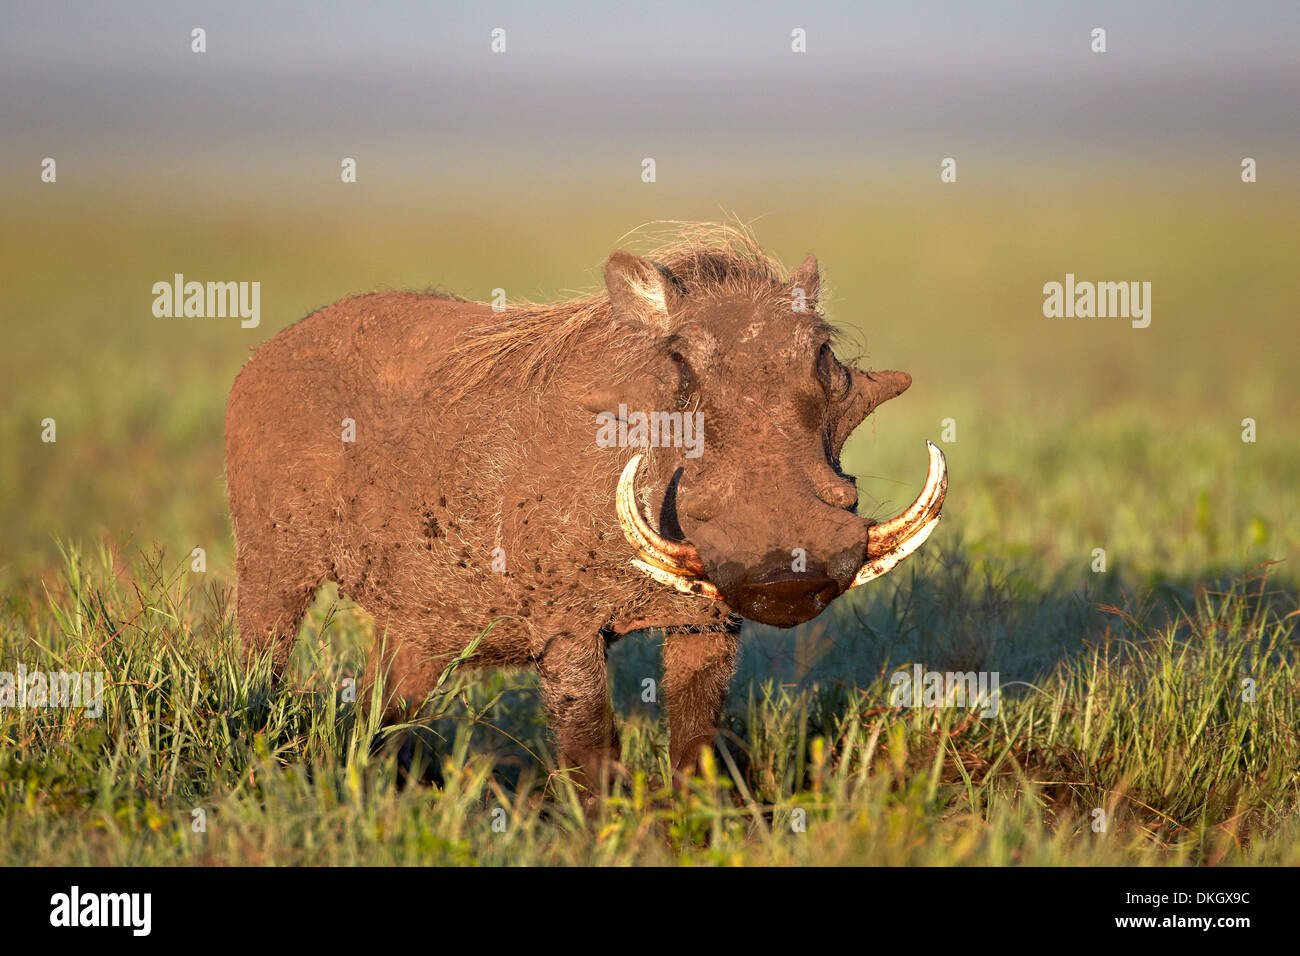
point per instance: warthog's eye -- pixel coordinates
(686, 383)
(833, 376)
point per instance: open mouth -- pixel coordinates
(678, 563)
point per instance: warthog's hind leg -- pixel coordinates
(273, 593)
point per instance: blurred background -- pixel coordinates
(523, 170)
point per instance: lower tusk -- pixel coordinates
(887, 535)
(700, 587)
(882, 564)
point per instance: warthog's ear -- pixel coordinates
(639, 290)
(806, 283)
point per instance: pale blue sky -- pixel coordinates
(1183, 78)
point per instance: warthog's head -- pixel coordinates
(757, 511)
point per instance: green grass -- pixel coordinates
(1147, 725)
(1123, 688)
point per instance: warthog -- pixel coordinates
(442, 463)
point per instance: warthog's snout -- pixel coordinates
(784, 598)
(766, 587)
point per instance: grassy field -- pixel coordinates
(1159, 697)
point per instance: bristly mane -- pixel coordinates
(531, 339)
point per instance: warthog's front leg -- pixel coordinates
(698, 667)
(575, 691)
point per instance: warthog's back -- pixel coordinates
(358, 363)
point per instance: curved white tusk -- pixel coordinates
(887, 535)
(671, 556)
(882, 564)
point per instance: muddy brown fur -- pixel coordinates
(476, 431)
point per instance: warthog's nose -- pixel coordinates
(785, 598)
